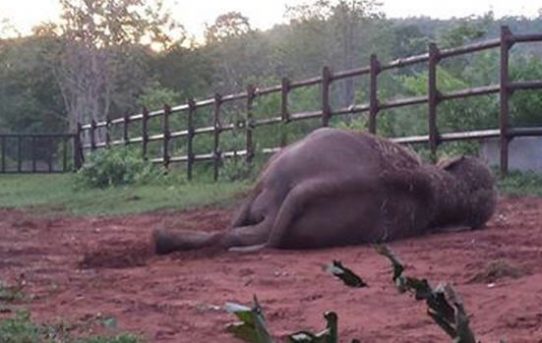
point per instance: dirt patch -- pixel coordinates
(80, 268)
(123, 257)
(497, 270)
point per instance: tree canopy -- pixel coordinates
(106, 58)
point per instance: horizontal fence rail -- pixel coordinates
(249, 124)
(39, 153)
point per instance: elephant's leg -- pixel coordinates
(167, 241)
(298, 199)
(242, 216)
(247, 235)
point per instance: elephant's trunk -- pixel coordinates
(167, 241)
(450, 200)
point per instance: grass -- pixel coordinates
(57, 193)
(522, 184)
(20, 329)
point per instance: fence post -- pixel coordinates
(166, 133)
(249, 124)
(218, 129)
(373, 93)
(190, 138)
(433, 100)
(3, 154)
(107, 132)
(33, 154)
(93, 135)
(326, 82)
(125, 127)
(284, 114)
(504, 93)
(144, 133)
(78, 148)
(64, 154)
(50, 155)
(19, 153)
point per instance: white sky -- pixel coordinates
(193, 14)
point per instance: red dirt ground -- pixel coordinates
(80, 269)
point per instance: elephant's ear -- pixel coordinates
(449, 162)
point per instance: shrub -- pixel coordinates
(236, 169)
(115, 167)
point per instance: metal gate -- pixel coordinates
(39, 153)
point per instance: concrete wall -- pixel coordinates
(525, 153)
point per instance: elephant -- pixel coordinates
(338, 187)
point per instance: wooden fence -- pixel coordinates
(432, 58)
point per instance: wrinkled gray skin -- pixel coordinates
(338, 187)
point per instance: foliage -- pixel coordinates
(115, 167)
(29, 98)
(155, 96)
(99, 58)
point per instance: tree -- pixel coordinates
(340, 23)
(29, 99)
(102, 47)
(7, 29)
(226, 26)
(229, 41)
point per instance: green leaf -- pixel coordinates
(346, 275)
(252, 327)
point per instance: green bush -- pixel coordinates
(236, 169)
(115, 167)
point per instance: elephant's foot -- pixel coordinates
(451, 229)
(248, 249)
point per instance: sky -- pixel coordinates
(263, 14)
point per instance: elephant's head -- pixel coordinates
(478, 183)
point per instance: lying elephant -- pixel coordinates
(338, 187)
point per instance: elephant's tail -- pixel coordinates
(167, 241)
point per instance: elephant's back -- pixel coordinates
(328, 151)
(321, 152)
